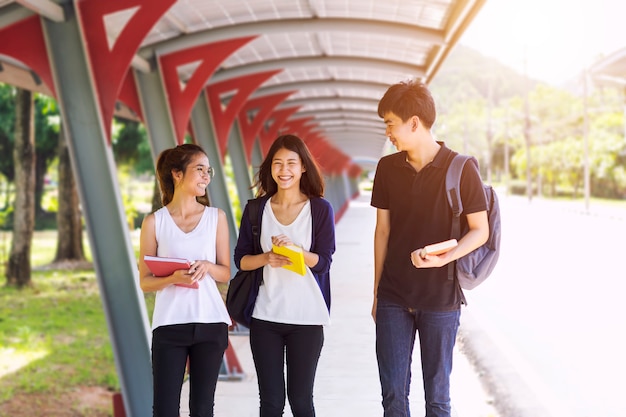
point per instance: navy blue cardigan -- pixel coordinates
(322, 242)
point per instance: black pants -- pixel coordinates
(302, 345)
(204, 344)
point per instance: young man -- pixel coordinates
(412, 293)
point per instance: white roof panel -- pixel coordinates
(315, 43)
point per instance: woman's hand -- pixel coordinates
(198, 270)
(275, 260)
(281, 240)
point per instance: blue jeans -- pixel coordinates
(396, 327)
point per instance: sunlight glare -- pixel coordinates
(12, 360)
(557, 38)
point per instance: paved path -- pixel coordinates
(550, 320)
(347, 379)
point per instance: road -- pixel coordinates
(552, 314)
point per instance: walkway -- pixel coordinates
(347, 379)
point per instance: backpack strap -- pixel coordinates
(453, 194)
(253, 215)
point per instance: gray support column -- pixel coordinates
(241, 169)
(331, 192)
(155, 110)
(218, 190)
(338, 186)
(354, 186)
(340, 190)
(257, 157)
(328, 189)
(345, 185)
(101, 201)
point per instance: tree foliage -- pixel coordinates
(131, 147)
(482, 111)
(47, 125)
(7, 128)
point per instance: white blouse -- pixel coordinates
(285, 296)
(180, 305)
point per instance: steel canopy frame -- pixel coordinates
(110, 243)
(431, 34)
(147, 55)
(318, 24)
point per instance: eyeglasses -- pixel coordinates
(209, 171)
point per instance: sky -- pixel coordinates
(559, 38)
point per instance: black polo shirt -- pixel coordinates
(420, 215)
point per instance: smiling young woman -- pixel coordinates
(291, 310)
(187, 322)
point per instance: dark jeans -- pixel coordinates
(396, 327)
(302, 345)
(204, 344)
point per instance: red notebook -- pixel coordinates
(162, 266)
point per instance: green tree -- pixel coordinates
(47, 125)
(608, 155)
(133, 154)
(46, 138)
(7, 130)
(18, 269)
(131, 147)
(69, 218)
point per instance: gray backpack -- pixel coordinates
(475, 267)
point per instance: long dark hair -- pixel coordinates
(311, 183)
(176, 159)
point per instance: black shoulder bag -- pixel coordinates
(243, 288)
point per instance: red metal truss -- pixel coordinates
(181, 98)
(354, 171)
(297, 127)
(128, 94)
(319, 148)
(223, 115)
(254, 114)
(109, 63)
(274, 123)
(27, 45)
(331, 159)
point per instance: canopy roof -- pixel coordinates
(329, 61)
(610, 69)
(202, 67)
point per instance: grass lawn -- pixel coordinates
(54, 340)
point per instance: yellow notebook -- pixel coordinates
(294, 253)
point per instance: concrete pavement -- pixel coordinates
(347, 378)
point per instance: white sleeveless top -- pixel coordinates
(179, 305)
(285, 296)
